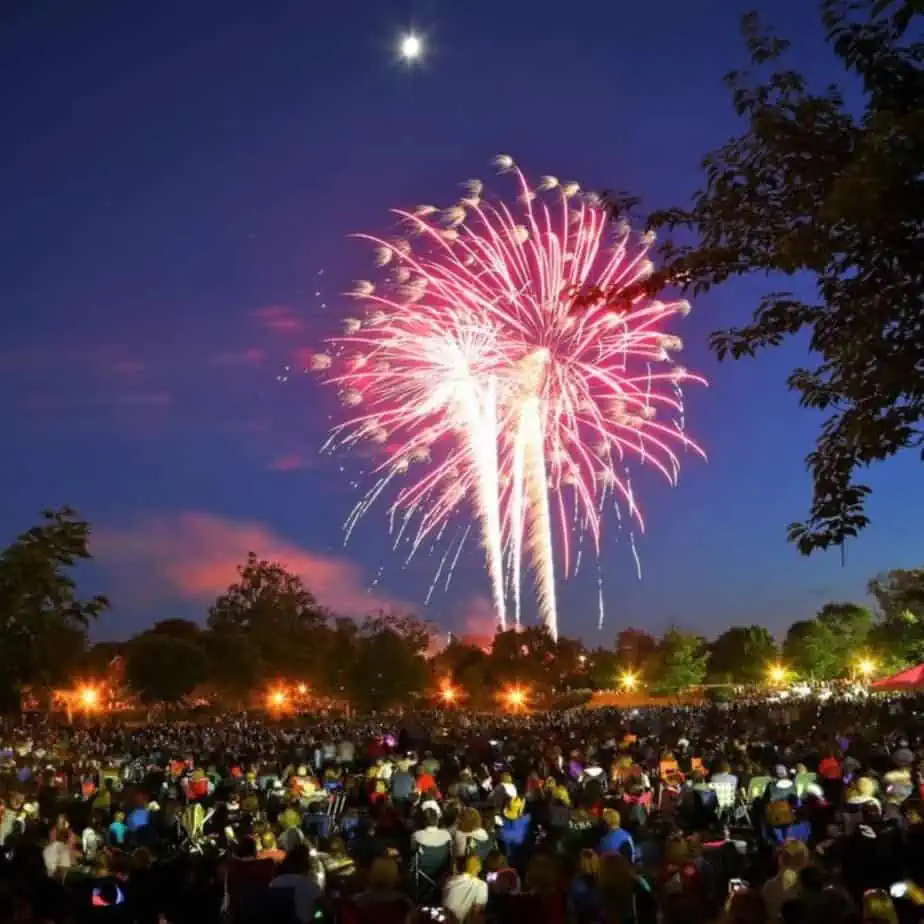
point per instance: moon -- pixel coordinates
(411, 47)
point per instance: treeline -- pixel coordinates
(267, 629)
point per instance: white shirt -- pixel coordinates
(463, 893)
(56, 856)
(431, 836)
(461, 840)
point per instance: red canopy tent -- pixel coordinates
(912, 678)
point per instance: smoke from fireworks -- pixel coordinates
(508, 365)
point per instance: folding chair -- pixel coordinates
(429, 866)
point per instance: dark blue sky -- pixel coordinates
(178, 181)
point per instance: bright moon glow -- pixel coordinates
(410, 47)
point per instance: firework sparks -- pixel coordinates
(506, 365)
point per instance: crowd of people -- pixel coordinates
(754, 813)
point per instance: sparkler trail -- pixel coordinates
(508, 365)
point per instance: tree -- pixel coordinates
(43, 622)
(810, 649)
(741, 654)
(810, 187)
(899, 591)
(680, 662)
(165, 668)
(850, 625)
(177, 628)
(274, 612)
(635, 648)
(387, 672)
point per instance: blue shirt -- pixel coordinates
(117, 832)
(139, 818)
(614, 840)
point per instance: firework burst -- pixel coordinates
(507, 365)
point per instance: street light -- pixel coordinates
(628, 681)
(777, 673)
(866, 667)
(448, 694)
(89, 697)
(516, 698)
(277, 699)
(302, 689)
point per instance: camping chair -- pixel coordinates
(803, 781)
(192, 826)
(428, 867)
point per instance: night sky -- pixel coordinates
(179, 180)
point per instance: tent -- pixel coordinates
(912, 678)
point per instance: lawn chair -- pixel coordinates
(428, 867)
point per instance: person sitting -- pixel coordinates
(470, 836)
(298, 873)
(616, 839)
(431, 834)
(466, 892)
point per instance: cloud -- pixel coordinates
(193, 556)
(288, 463)
(281, 319)
(476, 621)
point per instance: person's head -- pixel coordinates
(119, 817)
(865, 787)
(495, 861)
(430, 818)
(247, 848)
(514, 809)
(473, 866)
(267, 841)
(542, 874)
(469, 820)
(611, 819)
(289, 819)
(720, 766)
(746, 907)
(589, 864)
(794, 856)
(298, 862)
(878, 907)
(676, 851)
(383, 874)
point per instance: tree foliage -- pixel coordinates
(813, 186)
(741, 654)
(679, 664)
(165, 668)
(43, 621)
(273, 613)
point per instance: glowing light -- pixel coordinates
(278, 699)
(302, 689)
(448, 694)
(89, 697)
(628, 681)
(510, 365)
(777, 674)
(515, 698)
(411, 47)
(866, 667)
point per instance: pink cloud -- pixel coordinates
(288, 463)
(280, 319)
(478, 621)
(194, 556)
